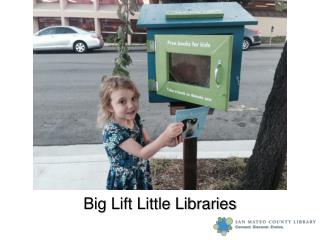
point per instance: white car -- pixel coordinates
(251, 38)
(66, 38)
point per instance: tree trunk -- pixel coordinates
(269, 155)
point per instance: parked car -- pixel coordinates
(66, 38)
(251, 38)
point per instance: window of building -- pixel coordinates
(46, 22)
(114, 2)
(140, 2)
(109, 28)
(80, 1)
(107, 2)
(264, 8)
(84, 23)
(139, 34)
(109, 25)
(138, 38)
(47, 1)
(109, 37)
(134, 27)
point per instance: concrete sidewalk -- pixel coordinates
(85, 167)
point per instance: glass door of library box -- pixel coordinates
(194, 68)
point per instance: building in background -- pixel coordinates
(92, 15)
(268, 17)
(101, 16)
(270, 20)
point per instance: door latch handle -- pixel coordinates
(217, 73)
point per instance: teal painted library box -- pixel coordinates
(194, 51)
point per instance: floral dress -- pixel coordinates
(126, 171)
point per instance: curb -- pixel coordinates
(268, 46)
(85, 167)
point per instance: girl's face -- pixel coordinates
(124, 105)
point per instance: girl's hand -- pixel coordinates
(173, 130)
(175, 141)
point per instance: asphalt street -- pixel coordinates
(65, 97)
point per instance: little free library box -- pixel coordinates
(194, 51)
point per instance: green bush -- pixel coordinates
(275, 39)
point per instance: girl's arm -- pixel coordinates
(134, 148)
(146, 136)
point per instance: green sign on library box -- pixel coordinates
(194, 51)
(194, 68)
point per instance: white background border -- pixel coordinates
(26, 213)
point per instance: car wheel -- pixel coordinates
(80, 47)
(246, 44)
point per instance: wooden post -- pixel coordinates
(190, 163)
(190, 160)
(189, 150)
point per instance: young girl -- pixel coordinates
(126, 141)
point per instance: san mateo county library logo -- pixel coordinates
(223, 225)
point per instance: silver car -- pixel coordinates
(66, 38)
(251, 38)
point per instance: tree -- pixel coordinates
(269, 155)
(265, 165)
(125, 8)
(281, 5)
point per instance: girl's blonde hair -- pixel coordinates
(109, 85)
